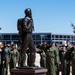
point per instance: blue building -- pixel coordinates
(38, 37)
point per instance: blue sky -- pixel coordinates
(49, 15)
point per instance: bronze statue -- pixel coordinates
(25, 28)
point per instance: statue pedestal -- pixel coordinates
(40, 71)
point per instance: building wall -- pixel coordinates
(59, 38)
(38, 37)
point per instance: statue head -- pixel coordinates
(28, 12)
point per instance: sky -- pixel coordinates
(49, 15)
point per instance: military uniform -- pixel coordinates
(62, 54)
(14, 58)
(7, 59)
(10, 49)
(41, 51)
(51, 60)
(43, 60)
(58, 60)
(68, 48)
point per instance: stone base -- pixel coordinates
(25, 71)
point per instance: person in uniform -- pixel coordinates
(72, 57)
(62, 55)
(2, 58)
(57, 66)
(10, 47)
(27, 40)
(42, 49)
(68, 48)
(52, 59)
(14, 57)
(7, 57)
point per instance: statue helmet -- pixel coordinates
(28, 12)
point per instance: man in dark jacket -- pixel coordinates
(2, 57)
(72, 57)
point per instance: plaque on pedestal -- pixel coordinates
(29, 71)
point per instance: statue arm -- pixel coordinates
(19, 28)
(26, 27)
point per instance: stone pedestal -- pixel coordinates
(16, 71)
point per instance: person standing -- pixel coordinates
(68, 48)
(62, 55)
(72, 57)
(7, 57)
(2, 57)
(26, 38)
(52, 59)
(41, 50)
(57, 66)
(14, 57)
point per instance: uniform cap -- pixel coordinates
(4, 42)
(51, 41)
(44, 40)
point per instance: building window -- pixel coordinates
(34, 37)
(56, 36)
(47, 37)
(68, 36)
(38, 37)
(60, 36)
(64, 36)
(15, 37)
(6, 37)
(60, 42)
(52, 36)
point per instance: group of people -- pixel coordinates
(50, 57)
(56, 58)
(9, 57)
